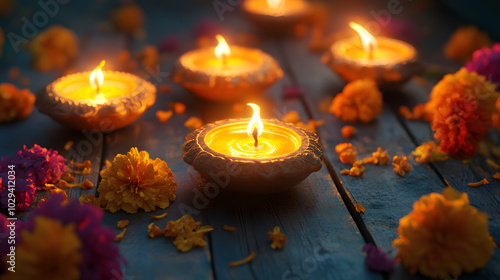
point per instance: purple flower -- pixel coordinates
(292, 91)
(486, 62)
(43, 166)
(101, 257)
(24, 192)
(377, 260)
(206, 28)
(169, 43)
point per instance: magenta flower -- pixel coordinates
(377, 260)
(207, 28)
(43, 166)
(486, 62)
(169, 43)
(292, 91)
(101, 257)
(24, 192)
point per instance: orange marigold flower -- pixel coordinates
(460, 123)
(347, 131)
(444, 236)
(401, 165)
(464, 41)
(15, 104)
(462, 82)
(360, 100)
(128, 18)
(380, 157)
(428, 152)
(50, 251)
(347, 153)
(357, 170)
(277, 238)
(53, 48)
(135, 181)
(193, 123)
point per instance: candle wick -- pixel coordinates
(255, 133)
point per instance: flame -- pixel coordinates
(96, 77)
(255, 121)
(369, 42)
(222, 51)
(273, 4)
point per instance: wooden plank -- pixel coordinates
(456, 172)
(386, 196)
(322, 243)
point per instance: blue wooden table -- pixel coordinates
(325, 233)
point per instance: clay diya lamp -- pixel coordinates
(226, 74)
(276, 16)
(97, 100)
(253, 156)
(389, 62)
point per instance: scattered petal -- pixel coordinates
(228, 228)
(277, 238)
(477, 184)
(347, 131)
(122, 223)
(119, 236)
(193, 123)
(243, 261)
(164, 116)
(159, 217)
(360, 208)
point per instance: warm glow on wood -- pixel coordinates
(273, 4)
(97, 78)
(255, 121)
(222, 51)
(369, 42)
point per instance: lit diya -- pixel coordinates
(274, 16)
(389, 62)
(226, 74)
(96, 100)
(253, 156)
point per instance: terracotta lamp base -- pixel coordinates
(136, 95)
(252, 72)
(269, 174)
(389, 74)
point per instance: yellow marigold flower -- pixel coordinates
(50, 251)
(463, 82)
(53, 48)
(380, 157)
(359, 100)
(357, 170)
(444, 236)
(277, 238)
(135, 181)
(347, 152)
(401, 165)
